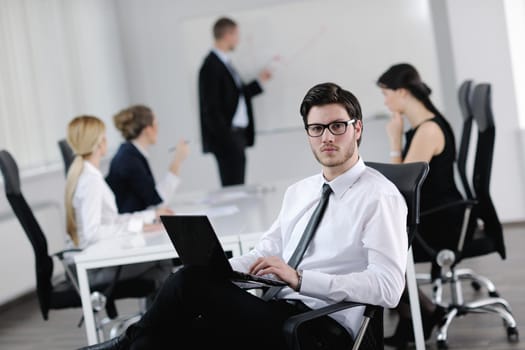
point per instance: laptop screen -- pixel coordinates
(196, 243)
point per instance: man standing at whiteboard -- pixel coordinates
(226, 115)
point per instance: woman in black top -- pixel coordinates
(430, 139)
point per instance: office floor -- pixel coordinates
(22, 326)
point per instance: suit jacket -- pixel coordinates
(131, 180)
(218, 98)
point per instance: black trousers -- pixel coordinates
(232, 161)
(201, 311)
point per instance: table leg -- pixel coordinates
(87, 308)
(414, 303)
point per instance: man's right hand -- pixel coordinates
(181, 153)
(265, 75)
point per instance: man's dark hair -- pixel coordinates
(330, 93)
(222, 26)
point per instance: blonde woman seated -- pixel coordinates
(91, 208)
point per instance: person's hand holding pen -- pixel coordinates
(181, 153)
(265, 75)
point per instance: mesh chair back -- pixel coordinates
(464, 99)
(67, 154)
(43, 262)
(488, 237)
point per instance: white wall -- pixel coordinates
(58, 59)
(481, 51)
(160, 76)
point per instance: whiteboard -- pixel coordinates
(348, 42)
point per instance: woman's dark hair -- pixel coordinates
(330, 93)
(132, 120)
(405, 76)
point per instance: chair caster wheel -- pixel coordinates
(442, 344)
(513, 335)
(475, 285)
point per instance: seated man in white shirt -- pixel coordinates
(358, 252)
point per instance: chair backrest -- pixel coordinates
(43, 262)
(492, 238)
(465, 104)
(408, 178)
(67, 154)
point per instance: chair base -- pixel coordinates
(498, 306)
(458, 308)
(477, 282)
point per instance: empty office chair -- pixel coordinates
(65, 293)
(408, 178)
(464, 96)
(464, 100)
(465, 103)
(481, 232)
(67, 154)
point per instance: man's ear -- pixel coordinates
(358, 126)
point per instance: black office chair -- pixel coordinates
(465, 103)
(464, 100)
(64, 293)
(408, 178)
(481, 232)
(67, 154)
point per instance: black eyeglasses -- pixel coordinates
(336, 128)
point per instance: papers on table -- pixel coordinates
(213, 212)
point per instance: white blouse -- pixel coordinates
(359, 251)
(96, 211)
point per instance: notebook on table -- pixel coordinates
(196, 243)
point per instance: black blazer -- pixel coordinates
(131, 180)
(218, 98)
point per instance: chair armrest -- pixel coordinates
(107, 292)
(69, 273)
(60, 254)
(463, 202)
(291, 325)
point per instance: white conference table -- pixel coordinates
(239, 214)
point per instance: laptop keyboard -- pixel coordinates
(264, 279)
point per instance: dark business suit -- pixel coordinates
(218, 99)
(131, 180)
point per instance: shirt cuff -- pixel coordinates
(149, 216)
(315, 284)
(135, 224)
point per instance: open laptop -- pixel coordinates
(196, 243)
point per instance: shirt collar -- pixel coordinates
(140, 148)
(91, 168)
(223, 56)
(343, 182)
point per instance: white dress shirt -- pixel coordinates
(240, 118)
(167, 185)
(359, 251)
(96, 211)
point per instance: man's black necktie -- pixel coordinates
(307, 236)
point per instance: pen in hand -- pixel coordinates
(173, 148)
